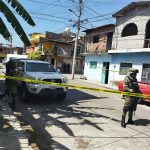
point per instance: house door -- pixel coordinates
(53, 61)
(105, 72)
(146, 73)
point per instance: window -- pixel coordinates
(146, 73)
(78, 50)
(124, 67)
(93, 64)
(96, 39)
(39, 67)
(129, 30)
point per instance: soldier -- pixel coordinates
(11, 84)
(130, 85)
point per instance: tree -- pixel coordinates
(11, 18)
(35, 55)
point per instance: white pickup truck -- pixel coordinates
(44, 71)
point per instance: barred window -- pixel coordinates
(124, 68)
(93, 64)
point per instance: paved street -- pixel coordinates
(85, 120)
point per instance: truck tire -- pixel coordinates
(25, 94)
(62, 96)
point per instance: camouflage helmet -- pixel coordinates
(133, 70)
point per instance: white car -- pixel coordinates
(44, 71)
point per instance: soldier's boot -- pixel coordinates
(130, 121)
(123, 124)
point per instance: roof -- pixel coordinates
(131, 6)
(53, 40)
(35, 61)
(101, 27)
(35, 33)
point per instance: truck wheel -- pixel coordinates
(25, 94)
(62, 96)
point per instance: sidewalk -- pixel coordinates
(12, 136)
(101, 85)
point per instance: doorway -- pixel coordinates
(105, 72)
(147, 35)
(146, 73)
(53, 61)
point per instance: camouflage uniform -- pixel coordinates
(12, 84)
(130, 85)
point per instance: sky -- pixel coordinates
(54, 16)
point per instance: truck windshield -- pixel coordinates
(39, 67)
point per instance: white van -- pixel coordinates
(15, 56)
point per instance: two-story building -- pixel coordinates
(130, 46)
(131, 42)
(97, 59)
(58, 50)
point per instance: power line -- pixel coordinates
(97, 13)
(48, 19)
(42, 14)
(46, 3)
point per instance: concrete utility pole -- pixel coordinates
(11, 39)
(76, 39)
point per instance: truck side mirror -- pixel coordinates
(20, 68)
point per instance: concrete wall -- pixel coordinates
(140, 16)
(95, 74)
(137, 60)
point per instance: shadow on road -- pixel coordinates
(42, 118)
(142, 122)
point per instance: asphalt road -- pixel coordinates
(86, 120)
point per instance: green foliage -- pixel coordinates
(54, 50)
(35, 55)
(11, 18)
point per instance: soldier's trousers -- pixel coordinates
(129, 106)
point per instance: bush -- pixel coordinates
(35, 55)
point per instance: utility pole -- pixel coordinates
(76, 39)
(10, 40)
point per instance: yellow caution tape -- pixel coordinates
(146, 96)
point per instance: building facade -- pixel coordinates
(97, 60)
(58, 49)
(131, 41)
(130, 47)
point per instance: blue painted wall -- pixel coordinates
(95, 74)
(137, 60)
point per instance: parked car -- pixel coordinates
(144, 88)
(40, 70)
